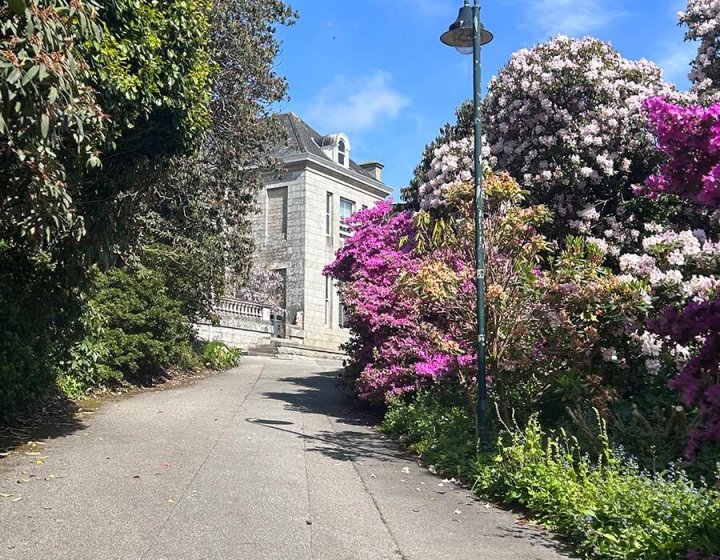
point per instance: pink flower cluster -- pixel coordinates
(690, 138)
(452, 164)
(564, 118)
(391, 350)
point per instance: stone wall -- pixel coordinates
(321, 250)
(276, 252)
(306, 248)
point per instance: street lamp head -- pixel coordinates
(460, 33)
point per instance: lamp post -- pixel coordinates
(468, 35)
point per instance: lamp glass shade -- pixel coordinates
(460, 33)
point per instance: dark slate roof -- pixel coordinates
(301, 138)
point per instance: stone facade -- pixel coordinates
(298, 225)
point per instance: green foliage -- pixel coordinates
(153, 64)
(603, 504)
(144, 329)
(36, 318)
(50, 118)
(97, 97)
(438, 426)
(83, 369)
(218, 355)
(606, 506)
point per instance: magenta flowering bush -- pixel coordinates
(387, 339)
(690, 138)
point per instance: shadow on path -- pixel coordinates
(59, 417)
(341, 446)
(320, 393)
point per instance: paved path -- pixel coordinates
(267, 461)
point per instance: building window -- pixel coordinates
(347, 207)
(328, 300)
(342, 317)
(276, 219)
(328, 214)
(280, 292)
(341, 151)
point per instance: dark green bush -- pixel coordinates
(37, 320)
(81, 369)
(144, 330)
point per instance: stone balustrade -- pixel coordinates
(241, 323)
(239, 308)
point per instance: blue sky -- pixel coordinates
(376, 70)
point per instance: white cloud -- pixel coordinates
(356, 104)
(571, 17)
(675, 60)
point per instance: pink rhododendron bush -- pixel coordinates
(565, 119)
(702, 19)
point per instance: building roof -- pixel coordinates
(301, 138)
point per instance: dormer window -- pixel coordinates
(341, 152)
(336, 147)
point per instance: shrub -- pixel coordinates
(81, 369)
(218, 355)
(144, 329)
(564, 118)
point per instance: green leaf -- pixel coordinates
(44, 125)
(17, 6)
(14, 76)
(30, 74)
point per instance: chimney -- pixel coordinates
(373, 168)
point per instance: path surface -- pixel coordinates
(266, 461)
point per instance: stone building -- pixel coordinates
(298, 226)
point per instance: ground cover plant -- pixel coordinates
(604, 504)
